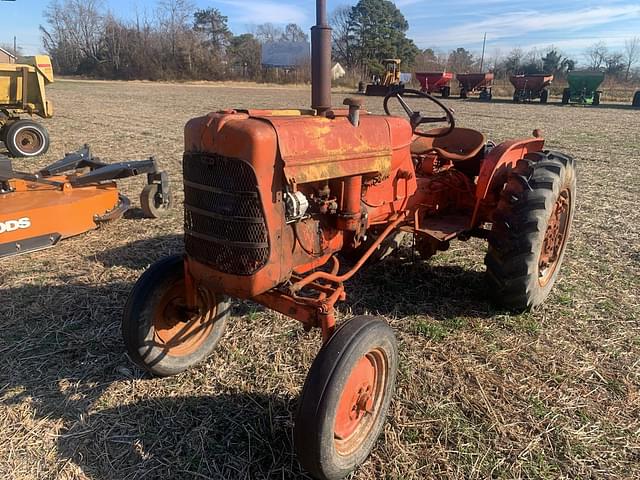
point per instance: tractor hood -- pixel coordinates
(315, 148)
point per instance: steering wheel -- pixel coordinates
(416, 119)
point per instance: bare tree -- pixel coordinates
(342, 42)
(267, 33)
(631, 54)
(597, 55)
(75, 32)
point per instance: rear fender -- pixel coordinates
(496, 166)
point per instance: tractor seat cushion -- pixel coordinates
(459, 145)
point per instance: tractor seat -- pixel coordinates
(459, 145)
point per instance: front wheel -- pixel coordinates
(163, 335)
(346, 397)
(530, 229)
(153, 204)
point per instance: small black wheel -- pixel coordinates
(566, 96)
(636, 99)
(25, 138)
(346, 397)
(446, 92)
(596, 98)
(530, 229)
(161, 334)
(463, 93)
(544, 96)
(152, 203)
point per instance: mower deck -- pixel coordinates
(39, 210)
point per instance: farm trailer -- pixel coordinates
(475, 83)
(22, 92)
(530, 87)
(583, 88)
(431, 82)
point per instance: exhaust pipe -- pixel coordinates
(321, 60)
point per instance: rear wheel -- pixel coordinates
(346, 397)
(25, 138)
(636, 99)
(463, 93)
(161, 333)
(446, 91)
(566, 96)
(531, 225)
(596, 98)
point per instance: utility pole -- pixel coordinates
(484, 44)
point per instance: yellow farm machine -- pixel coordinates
(22, 92)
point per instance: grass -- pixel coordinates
(480, 394)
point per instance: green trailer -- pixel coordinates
(583, 88)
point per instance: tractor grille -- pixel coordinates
(224, 222)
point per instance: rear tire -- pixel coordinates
(345, 398)
(636, 99)
(566, 96)
(160, 335)
(531, 225)
(446, 91)
(463, 93)
(596, 99)
(25, 138)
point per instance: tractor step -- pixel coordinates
(444, 228)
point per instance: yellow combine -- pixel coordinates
(22, 91)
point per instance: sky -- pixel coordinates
(570, 25)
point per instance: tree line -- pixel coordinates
(620, 65)
(176, 41)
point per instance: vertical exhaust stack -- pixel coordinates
(321, 60)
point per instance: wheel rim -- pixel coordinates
(555, 238)
(360, 402)
(29, 141)
(179, 330)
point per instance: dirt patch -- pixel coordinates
(481, 394)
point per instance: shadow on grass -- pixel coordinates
(61, 349)
(60, 352)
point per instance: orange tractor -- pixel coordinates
(272, 198)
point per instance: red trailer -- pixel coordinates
(435, 82)
(531, 86)
(475, 83)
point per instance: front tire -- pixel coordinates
(161, 335)
(345, 398)
(531, 226)
(25, 138)
(152, 204)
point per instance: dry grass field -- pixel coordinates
(481, 393)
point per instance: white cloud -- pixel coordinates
(518, 24)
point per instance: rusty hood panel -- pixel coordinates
(319, 148)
